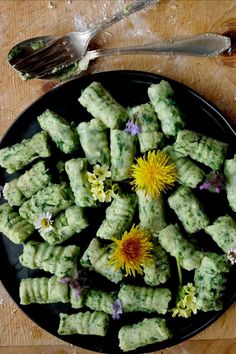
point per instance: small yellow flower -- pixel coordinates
(97, 185)
(92, 178)
(102, 172)
(153, 173)
(108, 195)
(44, 222)
(98, 194)
(133, 251)
(111, 193)
(187, 303)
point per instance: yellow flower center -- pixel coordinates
(133, 251)
(45, 223)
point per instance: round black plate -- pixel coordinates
(129, 88)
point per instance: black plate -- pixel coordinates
(129, 88)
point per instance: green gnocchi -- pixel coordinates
(64, 201)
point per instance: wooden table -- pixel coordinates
(21, 19)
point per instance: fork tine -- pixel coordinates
(49, 71)
(52, 49)
(27, 66)
(57, 62)
(50, 61)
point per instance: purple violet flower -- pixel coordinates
(116, 309)
(133, 128)
(214, 182)
(65, 280)
(77, 284)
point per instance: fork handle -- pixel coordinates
(201, 45)
(126, 10)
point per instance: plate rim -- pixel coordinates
(138, 73)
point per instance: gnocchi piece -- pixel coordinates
(148, 331)
(43, 291)
(188, 209)
(13, 226)
(58, 260)
(223, 232)
(162, 98)
(174, 243)
(157, 271)
(97, 257)
(150, 137)
(94, 142)
(76, 170)
(69, 222)
(60, 130)
(99, 102)
(188, 173)
(209, 151)
(17, 156)
(99, 300)
(52, 199)
(230, 175)
(151, 212)
(88, 323)
(25, 186)
(146, 299)
(209, 281)
(123, 148)
(119, 217)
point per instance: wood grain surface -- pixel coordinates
(21, 19)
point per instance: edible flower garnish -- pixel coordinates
(133, 251)
(101, 184)
(186, 302)
(116, 309)
(92, 178)
(231, 255)
(102, 172)
(154, 173)
(78, 284)
(214, 182)
(44, 222)
(133, 128)
(110, 193)
(98, 194)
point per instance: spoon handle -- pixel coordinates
(207, 44)
(126, 10)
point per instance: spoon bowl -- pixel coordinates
(28, 47)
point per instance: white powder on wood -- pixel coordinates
(2, 301)
(100, 10)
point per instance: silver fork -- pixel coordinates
(69, 48)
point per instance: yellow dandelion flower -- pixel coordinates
(133, 251)
(154, 173)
